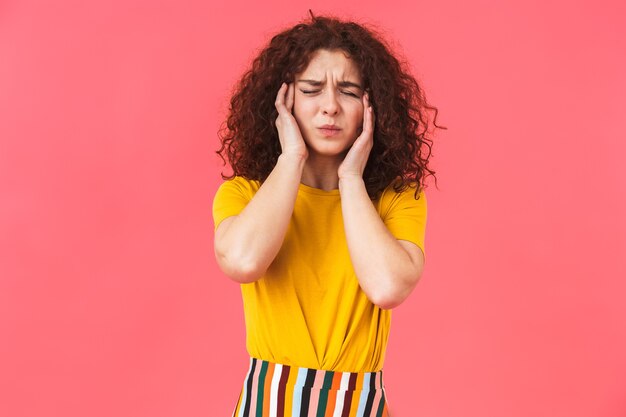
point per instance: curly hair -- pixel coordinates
(250, 140)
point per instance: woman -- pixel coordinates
(323, 220)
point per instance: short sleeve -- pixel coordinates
(231, 198)
(404, 216)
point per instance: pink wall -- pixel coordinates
(111, 302)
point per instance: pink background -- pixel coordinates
(111, 303)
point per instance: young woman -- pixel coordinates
(323, 220)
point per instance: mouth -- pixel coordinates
(328, 131)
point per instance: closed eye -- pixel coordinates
(317, 91)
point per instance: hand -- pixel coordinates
(356, 159)
(291, 141)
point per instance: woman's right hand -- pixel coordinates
(289, 134)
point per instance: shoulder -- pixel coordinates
(232, 196)
(240, 184)
(236, 191)
(404, 212)
(411, 195)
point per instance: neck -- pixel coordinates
(321, 172)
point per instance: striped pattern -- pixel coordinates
(277, 390)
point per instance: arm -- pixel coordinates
(246, 244)
(387, 268)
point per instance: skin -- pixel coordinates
(245, 245)
(331, 103)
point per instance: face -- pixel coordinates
(329, 92)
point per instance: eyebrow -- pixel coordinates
(317, 83)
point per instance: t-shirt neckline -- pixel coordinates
(318, 191)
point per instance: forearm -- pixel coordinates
(382, 266)
(256, 235)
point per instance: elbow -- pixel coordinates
(387, 302)
(391, 298)
(239, 269)
(386, 299)
(244, 274)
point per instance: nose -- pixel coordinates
(330, 104)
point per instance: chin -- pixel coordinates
(332, 146)
(329, 149)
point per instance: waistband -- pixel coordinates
(279, 390)
(302, 377)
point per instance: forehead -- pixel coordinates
(324, 61)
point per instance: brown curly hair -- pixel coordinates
(250, 140)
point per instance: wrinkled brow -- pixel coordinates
(317, 83)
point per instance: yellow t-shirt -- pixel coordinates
(308, 309)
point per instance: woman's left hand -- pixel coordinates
(356, 159)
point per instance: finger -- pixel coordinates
(280, 97)
(364, 102)
(368, 122)
(290, 96)
(367, 106)
(367, 117)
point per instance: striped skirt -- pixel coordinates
(276, 390)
